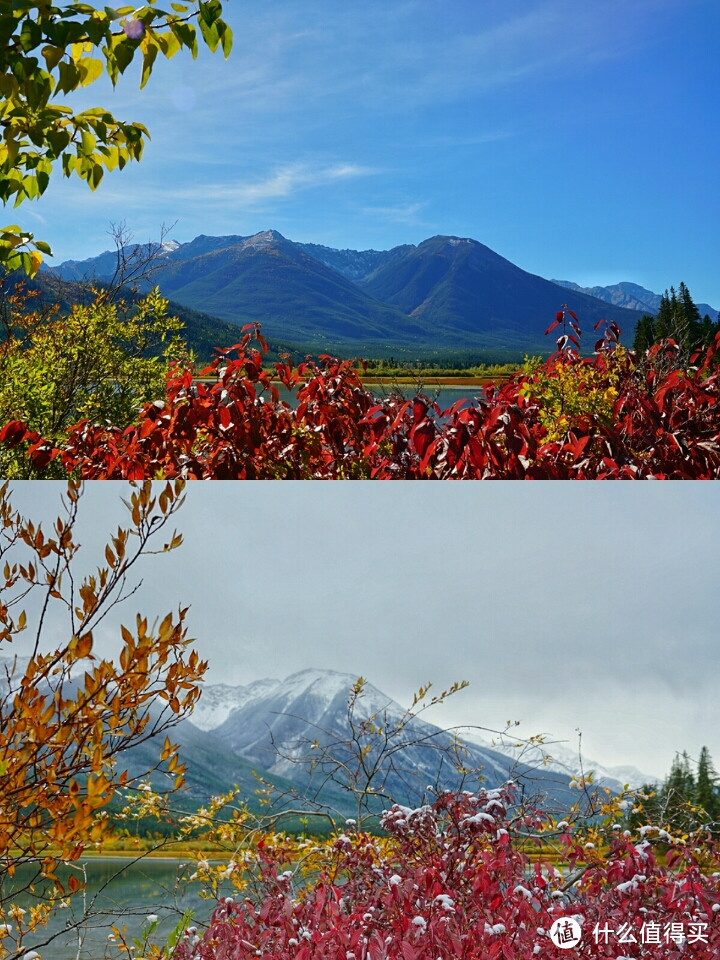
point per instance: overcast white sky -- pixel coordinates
(569, 606)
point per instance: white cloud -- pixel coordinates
(399, 213)
(284, 182)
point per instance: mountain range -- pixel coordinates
(447, 294)
(632, 296)
(274, 728)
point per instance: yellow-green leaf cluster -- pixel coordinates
(48, 50)
(100, 362)
(571, 390)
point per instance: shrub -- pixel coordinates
(455, 882)
(614, 416)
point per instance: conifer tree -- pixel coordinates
(689, 317)
(663, 321)
(677, 318)
(644, 333)
(678, 793)
(706, 789)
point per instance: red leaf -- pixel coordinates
(553, 325)
(578, 445)
(573, 315)
(422, 436)
(41, 453)
(408, 950)
(13, 433)
(146, 428)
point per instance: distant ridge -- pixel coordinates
(446, 294)
(632, 296)
(272, 723)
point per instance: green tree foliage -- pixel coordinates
(707, 792)
(49, 51)
(102, 362)
(688, 798)
(678, 319)
(678, 793)
(644, 333)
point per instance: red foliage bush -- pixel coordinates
(664, 423)
(457, 886)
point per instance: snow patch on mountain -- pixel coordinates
(218, 701)
(320, 696)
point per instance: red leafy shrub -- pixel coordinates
(236, 428)
(453, 883)
(612, 416)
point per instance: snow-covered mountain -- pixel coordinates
(278, 728)
(219, 700)
(271, 723)
(276, 725)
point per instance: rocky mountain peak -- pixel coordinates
(263, 239)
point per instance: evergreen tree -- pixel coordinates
(664, 319)
(681, 779)
(689, 318)
(677, 318)
(678, 794)
(708, 330)
(706, 789)
(644, 333)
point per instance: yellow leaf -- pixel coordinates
(90, 69)
(78, 49)
(80, 647)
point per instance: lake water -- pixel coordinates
(126, 894)
(445, 396)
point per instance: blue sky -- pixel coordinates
(579, 140)
(575, 606)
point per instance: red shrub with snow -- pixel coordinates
(454, 884)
